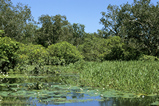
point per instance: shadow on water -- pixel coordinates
(60, 90)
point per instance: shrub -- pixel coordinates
(1, 33)
(8, 48)
(99, 49)
(115, 45)
(32, 54)
(148, 58)
(94, 49)
(63, 53)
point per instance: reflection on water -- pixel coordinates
(96, 101)
(61, 90)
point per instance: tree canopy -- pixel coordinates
(136, 24)
(15, 20)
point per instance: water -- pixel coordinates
(63, 90)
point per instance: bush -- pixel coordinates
(131, 54)
(63, 53)
(99, 49)
(8, 55)
(148, 58)
(32, 54)
(1, 33)
(94, 49)
(115, 45)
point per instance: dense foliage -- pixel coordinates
(148, 58)
(8, 56)
(16, 20)
(56, 29)
(32, 54)
(126, 35)
(112, 48)
(97, 49)
(63, 53)
(136, 24)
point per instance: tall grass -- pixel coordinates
(132, 76)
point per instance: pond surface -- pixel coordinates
(63, 90)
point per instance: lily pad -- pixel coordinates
(128, 95)
(74, 88)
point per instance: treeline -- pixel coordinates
(130, 32)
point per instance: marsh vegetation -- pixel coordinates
(59, 63)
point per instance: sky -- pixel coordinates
(86, 12)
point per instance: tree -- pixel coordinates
(52, 29)
(101, 34)
(14, 19)
(137, 23)
(110, 21)
(78, 33)
(94, 48)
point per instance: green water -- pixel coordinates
(63, 90)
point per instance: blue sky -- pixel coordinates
(86, 12)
